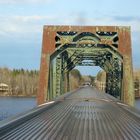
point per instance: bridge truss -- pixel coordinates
(65, 47)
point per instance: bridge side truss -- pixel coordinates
(65, 47)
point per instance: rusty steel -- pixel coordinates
(104, 40)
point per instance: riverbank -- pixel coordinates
(24, 96)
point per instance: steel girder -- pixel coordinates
(58, 55)
(70, 58)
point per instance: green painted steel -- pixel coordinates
(84, 49)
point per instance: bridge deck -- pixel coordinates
(85, 114)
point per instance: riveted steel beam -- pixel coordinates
(106, 46)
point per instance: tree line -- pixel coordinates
(21, 82)
(137, 82)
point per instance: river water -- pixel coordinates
(137, 104)
(10, 106)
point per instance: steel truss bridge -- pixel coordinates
(86, 113)
(65, 47)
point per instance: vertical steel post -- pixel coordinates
(50, 43)
(125, 49)
(48, 47)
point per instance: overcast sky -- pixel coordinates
(21, 23)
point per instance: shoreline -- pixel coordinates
(32, 96)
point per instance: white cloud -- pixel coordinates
(22, 24)
(28, 26)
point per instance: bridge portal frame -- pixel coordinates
(124, 48)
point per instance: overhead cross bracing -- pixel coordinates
(86, 113)
(65, 47)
